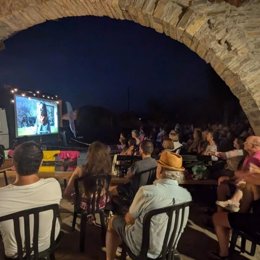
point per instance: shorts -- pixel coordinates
(118, 225)
(247, 222)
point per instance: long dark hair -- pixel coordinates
(98, 159)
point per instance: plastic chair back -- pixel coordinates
(29, 250)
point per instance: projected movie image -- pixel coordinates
(35, 116)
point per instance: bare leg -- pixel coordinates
(223, 192)
(112, 241)
(238, 195)
(222, 228)
(249, 195)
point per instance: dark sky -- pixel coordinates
(93, 61)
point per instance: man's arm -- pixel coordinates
(136, 207)
(131, 171)
(129, 219)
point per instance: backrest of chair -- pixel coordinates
(27, 251)
(142, 178)
(123, 162)
(173, 229)
(92, 190)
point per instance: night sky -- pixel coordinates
(94, 61)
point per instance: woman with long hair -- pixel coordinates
(98, 162)
(195, 146)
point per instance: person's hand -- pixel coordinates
(253, 168)
(223, 178)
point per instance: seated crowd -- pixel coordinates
(150, 184)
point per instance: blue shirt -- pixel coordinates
(150, 197)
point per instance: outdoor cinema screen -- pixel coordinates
(35, 116)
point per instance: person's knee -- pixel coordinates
(223, 191)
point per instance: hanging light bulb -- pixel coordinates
(23, 95)
(12, 100)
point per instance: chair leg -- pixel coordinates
(52, 256)
(103, 228)
(253, 248)
(243, 244)
(74, 220)
(123, 254)
(233, 242)
(83, 223)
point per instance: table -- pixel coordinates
(115, 180)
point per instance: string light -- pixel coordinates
(30, 94)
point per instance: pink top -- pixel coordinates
(254, 159)
(73, 155)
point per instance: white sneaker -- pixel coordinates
(229, 205)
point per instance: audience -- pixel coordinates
(28, 191)
(161, 194)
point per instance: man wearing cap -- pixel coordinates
(158, 195)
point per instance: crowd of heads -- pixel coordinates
(193, 139)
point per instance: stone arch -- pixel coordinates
(226, 37)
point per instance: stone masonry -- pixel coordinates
(225, 36)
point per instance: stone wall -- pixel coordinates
(225, 36)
